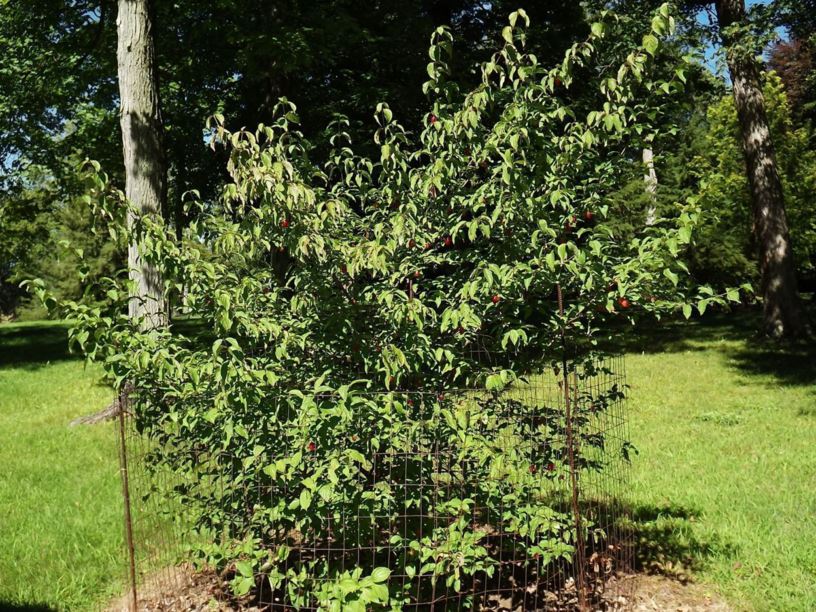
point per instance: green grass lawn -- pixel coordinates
(726, 477)
(60, 515)
(724, 487)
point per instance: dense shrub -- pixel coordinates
(335, 310)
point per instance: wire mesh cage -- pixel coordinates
(409, 499)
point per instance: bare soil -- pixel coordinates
(653, 593)
(184, 590)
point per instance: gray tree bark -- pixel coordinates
(783, 315)
(143, 147)
(650, 178)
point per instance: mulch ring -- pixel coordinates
(653, 593)
(184, 590)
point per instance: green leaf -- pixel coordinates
(650, 44)
(244, 568)
(598, 29)
(242, 586)
(494, 383)
(305, 499)
(378, 593)
(380, 574)
(348, 585)
(671, 276)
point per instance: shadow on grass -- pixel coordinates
(665, 541)
(33, 345)
(735, 335)
(809, 411)
(660, 538)
(15, 607)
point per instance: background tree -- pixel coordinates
(795, 59)
(724, 252)
(783, 315)
(23, 233)
(143, 147)
(57, 104)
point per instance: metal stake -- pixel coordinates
(576, 509)
(123, 470)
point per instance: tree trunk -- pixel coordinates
(782, 309)
(650, 178)
(143, 148)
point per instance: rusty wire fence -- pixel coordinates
(530, 488)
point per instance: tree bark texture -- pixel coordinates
(143, 147)
(650, 179)
(783, 315)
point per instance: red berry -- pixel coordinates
(624, 303)
(448, 241)
(410, 402)
(284, 223)
(460, 330)
(495, 299)
(533, 469)
(550, 467)
(417, 274)
(312, 447)
(441, 397)
(432, 118)
(411, 243)
(589, 215)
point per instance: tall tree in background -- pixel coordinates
(783, 315)
(795, 59)
(650, 178)
(725, 247)
(142, 146)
